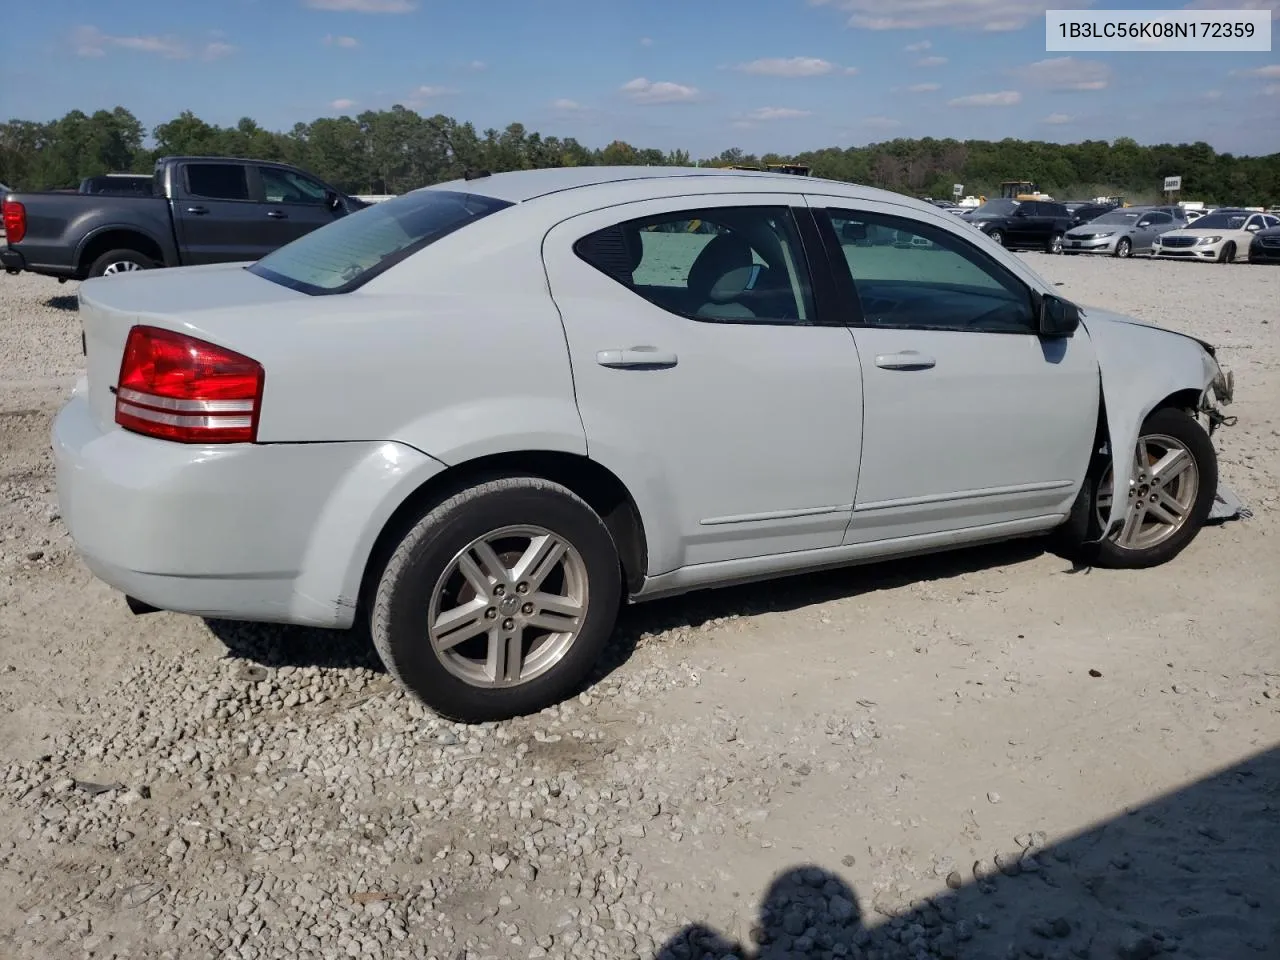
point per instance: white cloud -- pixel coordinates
(1002, 98)
(777, 113)
(347, 43)
(363, 6)
(990, 15)
(426, 92)
(569, 106)
(1272, 5)
(1066, 73)
(89, 41)
(788, 67)
(478, 65)
(931, 61)
(342, 103)
(1270, 71)
(1058, 119)
(643, 90)
(881, 123)
(646, 41)
(1272, 90)
(920, 47)
(924, 88)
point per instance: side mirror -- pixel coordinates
(1058, 317)
(332, 201)
(1144, 223)
(1253, 226)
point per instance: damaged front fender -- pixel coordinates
(1142, 367)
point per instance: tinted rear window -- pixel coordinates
(217, 181)
(349, 252)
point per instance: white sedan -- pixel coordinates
(1222, 237)
(480, 416)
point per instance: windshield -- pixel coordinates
(1222, 221)
(1119, 216)
(996, 208)
(349, 252)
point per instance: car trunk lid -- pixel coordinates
(173, 299)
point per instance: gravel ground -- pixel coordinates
(978, 755)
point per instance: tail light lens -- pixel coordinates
(15, 220)
(179, 388)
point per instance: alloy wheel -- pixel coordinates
(1162, 493)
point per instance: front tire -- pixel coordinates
(1054, 245)
(1175, 479)
(1228, 254)
(1124, 249)
(499, 601)
(997, 236)
(120, 261)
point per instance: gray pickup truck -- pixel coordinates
(203, 210)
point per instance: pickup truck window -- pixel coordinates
(351, 251)
(218, 181)
(285, 186)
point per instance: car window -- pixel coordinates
(1159, 218)
(285, 186)
(912, 274)
(724, 264)
(349, 252)
(218, 181)
(1271, 222)
(1053, 210)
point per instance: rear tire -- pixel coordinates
(120, 261)
(443, 583)
(1184, 489)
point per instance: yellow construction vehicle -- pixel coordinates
(1021, 190)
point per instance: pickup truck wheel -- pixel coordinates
(1175, 478)
(499, 601)
(120, 261)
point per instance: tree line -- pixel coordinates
(392, 151)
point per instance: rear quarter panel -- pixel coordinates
(457, 351)
(60, 225)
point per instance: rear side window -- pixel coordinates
(351, 251)
(218, 181)
(723, 265)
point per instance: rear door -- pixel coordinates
(709, 373)
(293, 205)
(216, 216)
(1024, 225)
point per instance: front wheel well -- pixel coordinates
(118, 240)
(595, 484)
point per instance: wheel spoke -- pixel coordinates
(506, 656)
(482, 568)
(1167, 510)
(1141, 459)
(539, 560)
(1132, 526)
(460, 624)
(1171, 466)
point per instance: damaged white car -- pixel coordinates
(480, 416)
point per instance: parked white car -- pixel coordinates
(1222, 236)
(480, 416)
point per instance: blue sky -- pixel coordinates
(781, 75)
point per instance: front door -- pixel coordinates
(971, 418)
(293, 205)
(705, 376)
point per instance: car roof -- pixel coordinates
(520, 186)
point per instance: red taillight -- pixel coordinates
(179, 388)
(15, 220)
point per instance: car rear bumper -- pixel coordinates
(270, 532)
(12, 260)
(15, 261)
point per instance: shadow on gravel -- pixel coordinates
(272, 645)
(63, 302)
(1191, 874)
(277, 646)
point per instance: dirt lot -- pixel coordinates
(979, 755)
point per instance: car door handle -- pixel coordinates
(198, 211)
(636, 357)
(906, 360)
(277, 215)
